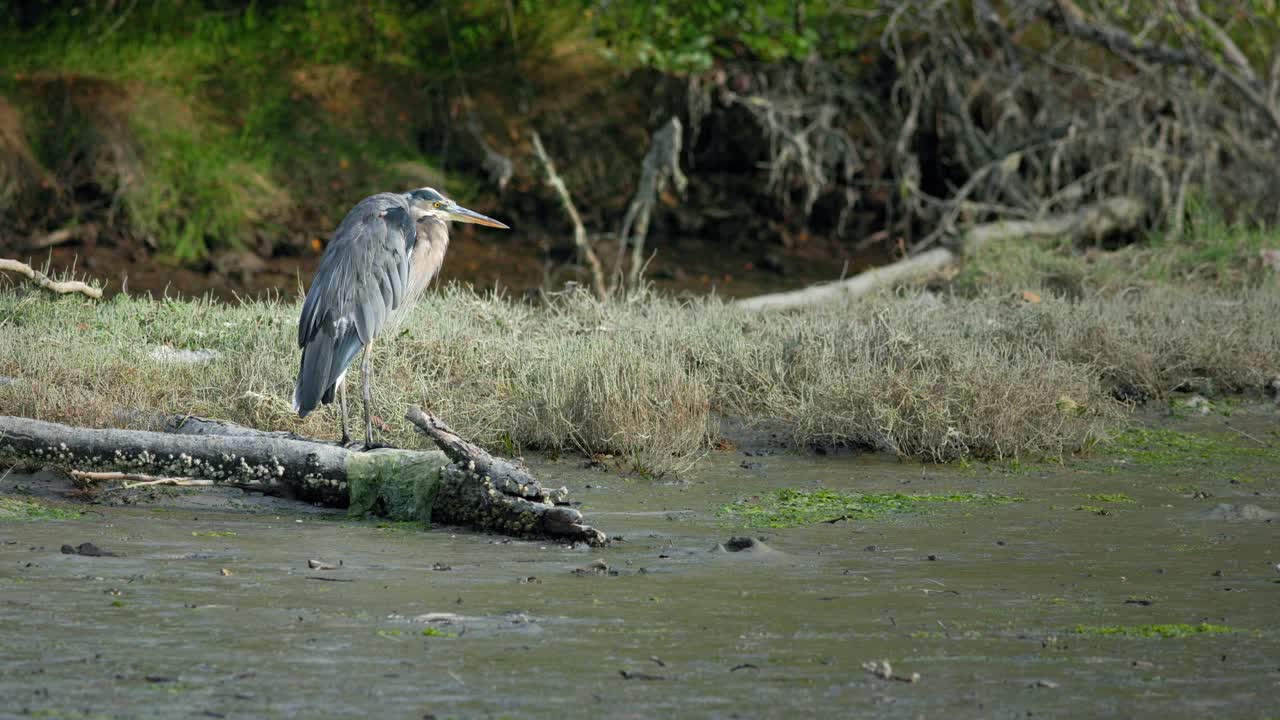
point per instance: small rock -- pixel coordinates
(322, 565)
(595, 567)
(87, 549)
(883, 670)
(441, 567)
(933, 557)
(1143, 664)
(746, 546)
(629, 675)
(225, 572)
(1045, 684)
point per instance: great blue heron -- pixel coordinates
(382, 256)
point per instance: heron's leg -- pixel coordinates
(366, 378)
(342, 403)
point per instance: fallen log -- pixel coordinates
(463, 485)
(1088, 223)
(926, 263)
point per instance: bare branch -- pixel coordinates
(579, 232)
(44, 281)
(661, 164)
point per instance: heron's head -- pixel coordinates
(428, 202)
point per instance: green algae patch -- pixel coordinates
(1176, 630)
(14, 509)
(399, 485)
(1162, 447)
(792, 508)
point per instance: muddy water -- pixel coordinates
(210, 611)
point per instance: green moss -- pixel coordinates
(399, 485)
(1178, 630)
(214, 533)
(14, 509)
(436, 632)
(792, 508)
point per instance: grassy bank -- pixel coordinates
(930, 376)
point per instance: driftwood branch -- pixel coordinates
(579, 231)
(466, 487)
(133, 480)
(488, 493)
(661, 165)
(48, 283)
(921, 265)
(1088, 223)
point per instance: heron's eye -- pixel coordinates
(437, 204)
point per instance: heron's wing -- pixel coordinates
(363, 275)
(362, 278)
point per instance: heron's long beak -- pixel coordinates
(461, 214)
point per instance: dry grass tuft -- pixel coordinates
(933, 377)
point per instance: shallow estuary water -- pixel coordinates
(209, 608)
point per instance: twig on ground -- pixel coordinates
(139, 479)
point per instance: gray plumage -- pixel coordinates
(384, 253)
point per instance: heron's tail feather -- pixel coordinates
(313, 376)
(324, 361)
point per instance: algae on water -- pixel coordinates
(791, 508)
(14, 509)
(1175, 630)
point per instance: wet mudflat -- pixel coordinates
(1135, 583)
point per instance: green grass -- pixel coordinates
(1170, 631)
(793, 508)
(15, 509)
